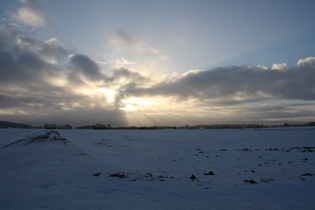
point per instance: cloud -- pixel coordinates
(24, 67)
(33, 2)
(24, 59)
(83, 65)
(163, 57)
(123, 39)
(122, 79)
(307, 62)
(31, 17)
(279, 66)
(238, 83)
(53, 47)
(13, 39)
(126, 42)
(124, 62)
(130, 50)
(7, 36)
(123, 75)
(50, 48)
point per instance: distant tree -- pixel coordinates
(311, 124)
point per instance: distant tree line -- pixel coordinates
(214, 126)
(99, 126)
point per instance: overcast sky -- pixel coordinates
(143, 62)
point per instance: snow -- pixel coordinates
(152, 169)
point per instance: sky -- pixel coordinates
(167, 62)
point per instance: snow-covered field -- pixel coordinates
(157, 169)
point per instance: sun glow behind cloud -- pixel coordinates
(133, 103)
(110, 94)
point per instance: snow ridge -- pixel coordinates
(52, 136)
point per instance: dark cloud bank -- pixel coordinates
(296, 83)
(41, 81)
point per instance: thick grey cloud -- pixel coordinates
(25, 60)
(83, 65)
(247, 82)
(51, 47)
(23, 67)
(29, 60)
